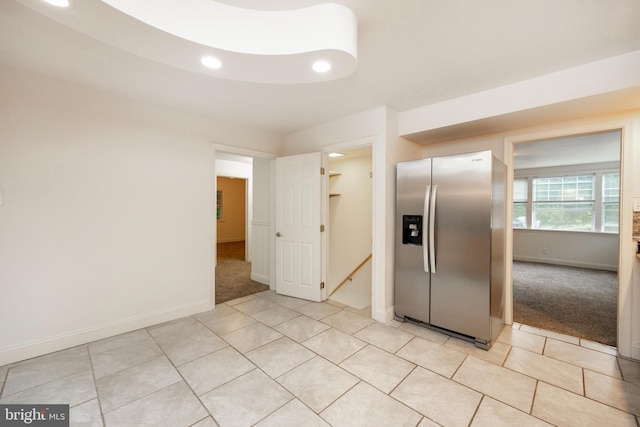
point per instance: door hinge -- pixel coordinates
(321, 171)
(321, 285)
(322, 228)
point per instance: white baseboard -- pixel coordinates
(260, 278)
(59, 342)
(384, 316)
(390, 314)
(635, 351)
(567, 263)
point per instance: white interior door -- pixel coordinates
(299, 218)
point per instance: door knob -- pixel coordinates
(278, 234)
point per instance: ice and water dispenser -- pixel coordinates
(412, 230)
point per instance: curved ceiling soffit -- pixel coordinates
(252, 45)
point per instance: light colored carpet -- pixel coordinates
(574, 301)
(233, 274)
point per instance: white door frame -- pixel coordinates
(625, 266)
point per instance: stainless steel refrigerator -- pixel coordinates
(449, 258)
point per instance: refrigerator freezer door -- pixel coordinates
(460, 287)
(411, 280)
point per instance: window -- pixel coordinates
(564, 203)
(610, 202)
(219, 205)
(581, 202)
(520, 197)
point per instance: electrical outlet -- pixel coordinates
(545, 250)
(636, 204)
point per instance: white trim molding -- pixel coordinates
(86, 335)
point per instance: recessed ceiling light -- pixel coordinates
(321, 66)
(58, 3)
(336, 154)
(211, 62)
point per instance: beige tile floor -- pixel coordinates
(269, 360)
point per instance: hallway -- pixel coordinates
(233, 273)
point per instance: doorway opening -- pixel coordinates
(349, 275)
(566, 195)
(233, 215)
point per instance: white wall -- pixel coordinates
(576, 249)
(356, 292)
(495, 143)
(362, 128)
(261, 189)
(231, 169)
(604, 76)
(108, 215)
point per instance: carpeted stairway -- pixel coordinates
(233, 274)
(573, 301)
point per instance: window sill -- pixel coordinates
(542, 230)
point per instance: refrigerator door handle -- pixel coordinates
(432, 229)
(425, 234)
